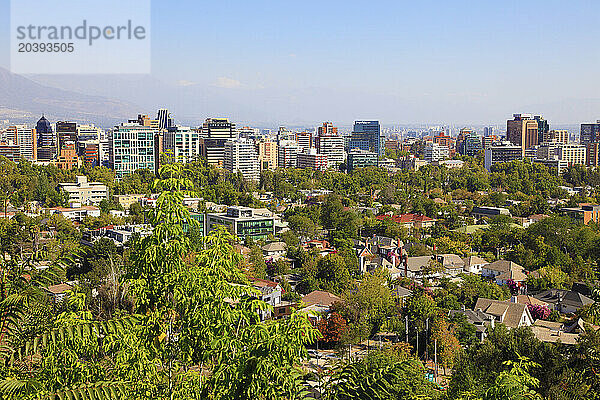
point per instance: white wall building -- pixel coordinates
(84, 192)
(435, 152)
(287, 153)
(333, 147)
(182, 143)
(240, 156)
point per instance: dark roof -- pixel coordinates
(566, 297)
(43, 126)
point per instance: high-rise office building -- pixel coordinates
(24, 137)
(543, 128)
(67, 157)
(556, 136)
(489, 131)
(215, 132)
(327, 129)
(132, 148)
(487, 141)
(284, 133)
(89, 132)
(182, 143)
(501, 152)
(144, 120)
(165, 121)
(89, 152)
(523, 131)
(10, 150)
(240, 156)
(593, 154)
(443, 139)
(66, 132)
(468, 142)
(590, 133)
(366, 135)
(329, 143)
(46, 140)
(267, 154)
(287, 151)
(305, 140)
(247, 132)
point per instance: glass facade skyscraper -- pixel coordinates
(366, 135)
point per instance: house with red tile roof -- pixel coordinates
(410, 221)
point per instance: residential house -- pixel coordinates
(270, 292)
(513, 315)
(318, 303)
(410, 221)
(322, 246)
(477, 318)
(474, 264)
(58, 293)
(503, 271)
(528, 300)
(554, 332)
(434, 266)
(274, 250)
(564, 301)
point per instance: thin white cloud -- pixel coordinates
(293, 55)
(183, 82)
(227, 83)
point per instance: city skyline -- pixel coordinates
(394, 62)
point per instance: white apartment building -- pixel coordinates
(240, 156)
(24, 137)
(331, 146)
(182, 143)
(83, 192)
(287, 153)
(434, 152)
(574, 154)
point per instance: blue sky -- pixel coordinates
(400, 61)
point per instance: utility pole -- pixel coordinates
(417, 342)
(435, 370)
(426, 339)
(406, 329)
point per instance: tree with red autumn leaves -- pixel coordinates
(332, 327)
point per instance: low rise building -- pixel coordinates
(513, 315)
(75, 214)
(500, 153)
(489, 212)
(84, 192)
(243, 223)
(361, 159)
(503, 271)
(585, 213)
(564, 301)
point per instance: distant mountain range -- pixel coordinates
(23, 100)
